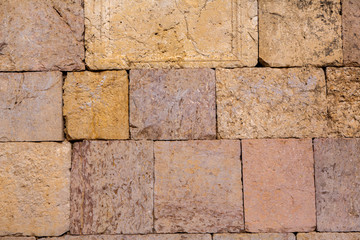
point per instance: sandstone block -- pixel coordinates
(177, 33)
(172, 104)
(351, 32)
(298, 33)
(30, 106)
(38, 35)
(337, 178)
(343, 90)
(198, 187)
(96, 105)
(138, 237)
(328, 236)
(255, 236)
(271, 103)
(35, 188)
(279, 194)
(112, 187)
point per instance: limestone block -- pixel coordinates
(328, 236)
(137, 237)
(255, 236)
(351, 32)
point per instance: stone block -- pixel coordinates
(351, 32)
(255, 236)
(327, 236)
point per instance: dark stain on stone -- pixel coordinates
(2, 46)
(301, 4)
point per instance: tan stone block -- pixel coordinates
(198, 187)
(170, 33)
(298, 33)
(172, 104)
(38, 35)
(112, 187)
(17, 238)
(328, 236)
(279, 193)
(30, 106)
(138, 237)
(343, 94)
(337, 179)
(96, 105)
(271, 103)
(255, 236)
(35, 188)
(351, 32)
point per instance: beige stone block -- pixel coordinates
(198, 187)
(96, 105)
(31, 106)
(328, 236)
(271, 103)
(279, 193)
(138, 237)
(351, 32)
(39, 35)
(35, 188)
(298, 33)
(255, 236)
(170, 33)
(112, 187)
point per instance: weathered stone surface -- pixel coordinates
(30, 106)
(112, 187)
(96, 105)
(271, 103)
(138, 237)
(351, 32)
(198, 186)
(170, 33)
(279, 194)
(37, 35)
(35, 188)
(298, 33)
(17, 238)
(172, 104)
(337, 178)
(255, 236)
(343, 89)
(328, 236)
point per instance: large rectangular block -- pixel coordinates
(351, 32)
(343, 94)
(271, 103)
(172, 104)
(328, 236)
(35, 188)
(279, 193)
(137, 237)
(337, 178)
(299, 33)
(31, 106)
(255, 236)
(39, 35)
(112, 187)
(198, 187)
(170, 33)
(96, 105)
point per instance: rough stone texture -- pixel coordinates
(30, 106)
(271, 103)
(112, 187)
(37, 35)
(337, 175)
(327, 236)
(279, 192)
(17, 238)
(172, 104)
(35, 188)
(170, 33)
(301, 32)
(96, 105)
(351, 32)
(343, 90)
(255, 236)
(198, 187)
(138, 237)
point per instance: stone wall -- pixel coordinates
(180, 119)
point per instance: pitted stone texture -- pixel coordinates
(271, 103)
(343, 88)
(255, 236)
(337, 172)
(279, 191)
(301, 32)
(351, 32)
(30, 106)
(198, 187)
(172, 104)
(38, 35)
(17, 238)
(96, 105)
(35, 188)
(328, 236)
(112, 187)
(170, 33)
(137, 237)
